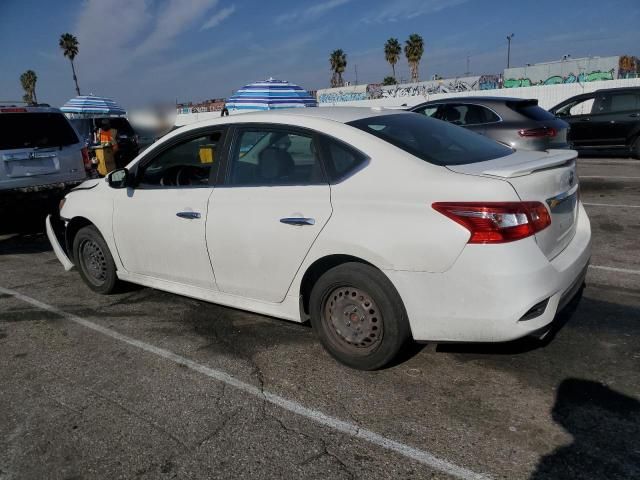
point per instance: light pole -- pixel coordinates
(509, 37)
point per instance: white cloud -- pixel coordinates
(219, 17)
(400, 10)
(310, 13)
(174, 17)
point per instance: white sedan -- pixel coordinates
(378, 226)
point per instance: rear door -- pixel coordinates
(615, 118)
(264, 219)
(38, 148)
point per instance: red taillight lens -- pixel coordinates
(538, 132)
(86, 160)
(497, 222)
(13, 110)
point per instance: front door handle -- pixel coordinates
(635, 115)
(188, 215)
(298, 221)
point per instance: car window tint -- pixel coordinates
(35, 130)
(187, 164)
(274, 157)
(342, 160)
(452, 113)
(530, 110)
(428, 111)
(431, 140)
(477, 114)
(622, 102)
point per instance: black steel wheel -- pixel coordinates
(358, 316)
(94, 261)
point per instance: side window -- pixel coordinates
(428, 111)
(274, 157)
(342, 160)
(581, 107)
(451, 113)
(623, 101)
(187, 164)
(477, 114)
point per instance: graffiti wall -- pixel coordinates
(375, 91)
(580, 70)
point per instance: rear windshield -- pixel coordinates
(434, 141)
(35, 130)
(530, 110)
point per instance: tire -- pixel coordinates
(358, 316)
(94, 261)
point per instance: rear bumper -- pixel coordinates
(55, 243)
(490, 288)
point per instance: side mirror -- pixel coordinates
(118, 178)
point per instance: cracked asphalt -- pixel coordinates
(76, 403)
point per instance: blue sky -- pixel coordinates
(138, 51)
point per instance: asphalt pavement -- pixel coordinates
(146, 384)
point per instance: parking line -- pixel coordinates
(615, 269)
(316, 416)
(609, 205)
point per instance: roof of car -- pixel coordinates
(337, 114)
(479, 99)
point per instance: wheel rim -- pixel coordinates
(353, 320)
(94, 263)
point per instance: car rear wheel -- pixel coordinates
(358, 316)
(94, 260)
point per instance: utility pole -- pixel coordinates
(509, 37)
(467, 73)
(355, 66)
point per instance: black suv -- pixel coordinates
(605, 121)
(127, 139)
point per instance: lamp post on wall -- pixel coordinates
(509, 37)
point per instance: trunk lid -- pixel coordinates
(548, 177)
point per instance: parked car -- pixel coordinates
(605, 121)
(40, 152)
(519, 123)
(127, 138)
(378, 226)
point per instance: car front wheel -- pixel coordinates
(358, 316)
(94, 260)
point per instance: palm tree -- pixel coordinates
(28, 80)
(413, 50)
(392, 51)
(69, 45)
(338, 62)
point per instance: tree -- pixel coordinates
(338, 62)
(28, 80)
(389, 81)
(69, 45)
(392, 51)
(413, 50)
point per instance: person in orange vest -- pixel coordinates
(108, 135)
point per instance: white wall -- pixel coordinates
(547, 95)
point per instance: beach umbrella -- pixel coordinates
(269, 95)
(92, 105)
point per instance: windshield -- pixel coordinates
(432, 140)
(35, 130)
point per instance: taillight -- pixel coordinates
(13, 110)
(86, 160)
(538, 132)
(497, 222)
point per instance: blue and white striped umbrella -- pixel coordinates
(269, 95)
(90, 104)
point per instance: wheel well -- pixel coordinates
(316, 270)
(74, 225)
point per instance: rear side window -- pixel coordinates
(431, 140)
(342, 160)
(622, 101)
(530, 110)
(35, 130)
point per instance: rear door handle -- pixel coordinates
(188, 215)
(635, 115)
(585, 119)
(298, 221)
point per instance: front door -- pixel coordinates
(159, 225)
(617, 116)
(271, 208)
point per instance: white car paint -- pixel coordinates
(239, 254)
